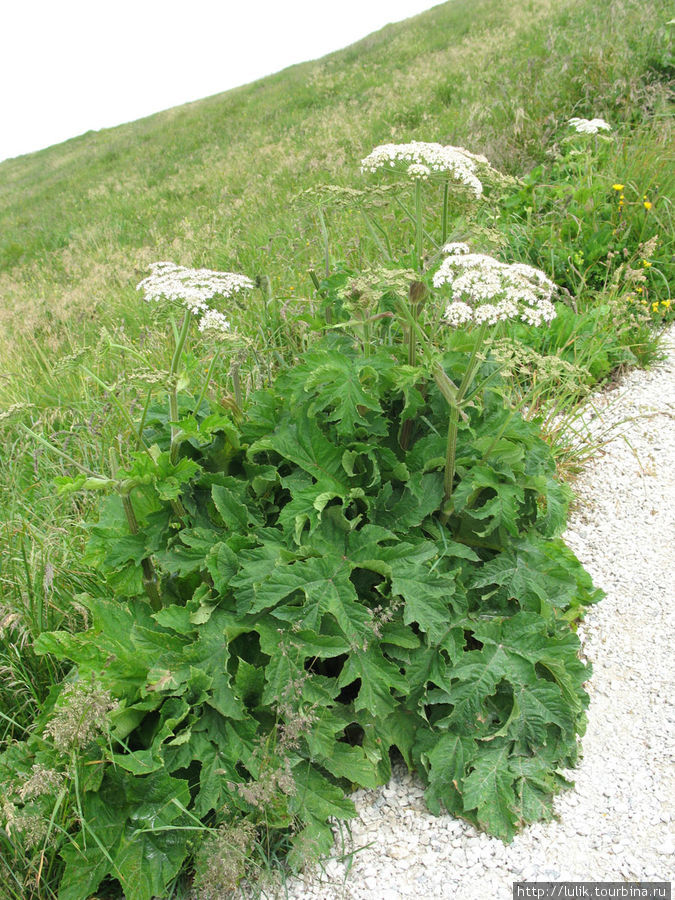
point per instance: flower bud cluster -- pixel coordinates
(486, 290)
(193, 289)
(419, 160)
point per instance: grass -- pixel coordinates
(217, 183)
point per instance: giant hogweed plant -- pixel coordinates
(360, 560)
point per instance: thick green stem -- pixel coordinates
(207, 381)
(446, 385)
(473, 363)
(450, 452)
(412, 348)
(150, 579)
(429, 237)
(417, 294)
(413, 324)
(455, 410)
(366, 337)
(419, 227)
(173, 387)
(180, 342)
(173, 418)
(444, 223)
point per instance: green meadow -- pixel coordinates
(265, 180)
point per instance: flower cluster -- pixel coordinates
(214, 321)
(194, 289)
(486, 290)
(419, 171)
(419, 160)
(589, 126)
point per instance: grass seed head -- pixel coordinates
(81, 715)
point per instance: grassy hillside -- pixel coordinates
(210, 182)
(220, 183)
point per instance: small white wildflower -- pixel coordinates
(486, 313)
(486, 290)
(417, 156)
(214, 321)
(419, 171)
(458, 314)
(192, 288)
(589, 126)
(455, 247)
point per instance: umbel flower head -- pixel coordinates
(589, 126)
(419, 160)
(214, 322)
(486, 290)
(192, 288)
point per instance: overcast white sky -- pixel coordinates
(68, 66)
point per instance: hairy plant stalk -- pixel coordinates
(450, 452)
(150, 579)
(453, 425)
(412, 346)
(444, 223)
(419, 228)
(173, 387)
(366, 337)
(445, 385)
(425, 234)
(417, 294)
(207, 381)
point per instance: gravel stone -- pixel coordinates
(616, 822)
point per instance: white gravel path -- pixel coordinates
(617, 823)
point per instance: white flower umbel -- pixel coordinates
(192, 288)
(417, 170)
(589, 126)
(415, 157)
(214, 322)
(486, 290)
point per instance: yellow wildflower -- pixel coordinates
(647, 204)
(666, 303)
(617, 187)
(655, 307)
(646, 264)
